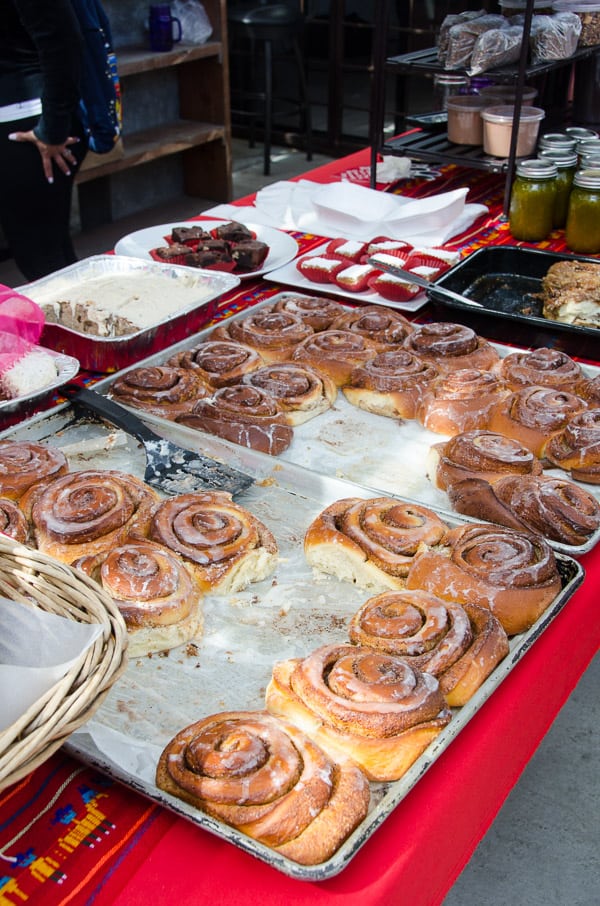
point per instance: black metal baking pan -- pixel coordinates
(430, 122)
(507, 281)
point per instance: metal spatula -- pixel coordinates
(169, 467)
(397, 271)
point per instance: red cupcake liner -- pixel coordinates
(320, 268)
(393, 289)
(348, 249)
(355, 278)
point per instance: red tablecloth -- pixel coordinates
(70, 835)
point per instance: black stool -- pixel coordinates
(264, 28)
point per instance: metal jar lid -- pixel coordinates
(562, 158)
(590, 161)
(587, 179)
(558, 140)
(581, 132)
(536, 168)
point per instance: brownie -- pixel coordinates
(233, 232)
(188, 234)
(172, 251)
(250, 254)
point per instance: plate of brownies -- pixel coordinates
(246, 250)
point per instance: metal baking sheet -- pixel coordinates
(334, 443)
(506, 279)
(288, 615)
(108, 354)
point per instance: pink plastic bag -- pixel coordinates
(20, 316)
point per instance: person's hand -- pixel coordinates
(57, 154)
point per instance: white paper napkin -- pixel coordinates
(353, 211)
(36, 650)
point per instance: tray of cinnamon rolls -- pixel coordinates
(300, 655)
(431, 411)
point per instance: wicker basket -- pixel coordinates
(35, 578)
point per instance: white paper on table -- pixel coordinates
(353, 211)
(36, 650)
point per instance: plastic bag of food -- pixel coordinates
(496, 47)
(462, 37)
(447, 23)
(554, 37)
(195, 24)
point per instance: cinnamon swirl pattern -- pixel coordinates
(384, 326)
(318, 312)
(460, 644)
(162, 390)
(479, 454)
(553, 507)
(371, 542)
(451, 346)
(245, 415)
(300, 390)
(576, 449)
(223, 545)
(589, 390)
(514, 574)
(86, 512)
(460, 401)
(390, 384)
(23, 463)
(218, 363)
(13, 521)
(373, 708)
(335, 352)
(532, 414)
(543, 367)
(266, 778)
(158, 599)
(273, 334)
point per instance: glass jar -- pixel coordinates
(557, 140)
(444, 86)
(587, 146)
(582, 231)
(566, 164)
(532, 200)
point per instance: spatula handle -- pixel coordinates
(111, 411)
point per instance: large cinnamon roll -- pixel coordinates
(244, 415)
(514, 574)
(266, 778)
(543, 367)
(300, 390)
(451, 346)
(460, 644)
(479, 454)
(13, 521)
(460, 401)
(223, 545)
(576, 449)
(356, 703)
(554, 507)
(532, 414)
(384, 326)
(335, 352)
(371, 542)
(23, 463)
(86, 512)
(317, 311)
(218, 363)
(273, 334)
(390, 384)
(157, 597)
(589, 390)
(162, 390)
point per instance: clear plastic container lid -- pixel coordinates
(576, 6)
(505, 114)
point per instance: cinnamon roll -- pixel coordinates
(335, 352)
(390, 384)
(460, 644)
(376, 709)
(514, 574)
(156, 595)
(244, 415)
(300, 390)
(13, 521)
(266, 778)
(460, 401)
(318, 312)
(371, 542)
(576, 449)
(162, 390)
(223, 545)
(384, 326)
(553, 507)
(218, 363)
(273, 334)
(589, 390)
(532, 414)
(543, 367)
(86, 512)
(451, 346)
(479, 454)
(23, 463)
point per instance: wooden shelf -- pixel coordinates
(136, 60)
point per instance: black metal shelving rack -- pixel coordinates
(435, 146)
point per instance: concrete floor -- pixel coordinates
(543, 848)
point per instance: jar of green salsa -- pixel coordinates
(532, 200)
(566, 164)
(582, 231)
